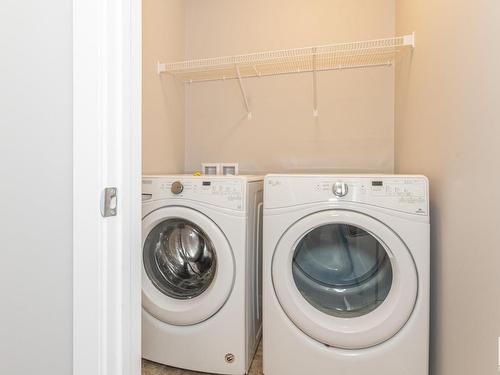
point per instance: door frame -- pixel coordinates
(106, 152)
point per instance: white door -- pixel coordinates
(188, 266)
(345, 279)
(106, 153)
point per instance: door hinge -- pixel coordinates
(109, 202)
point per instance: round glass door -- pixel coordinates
(179, 258)
(342, 270)
(188, 266)
(344, 278)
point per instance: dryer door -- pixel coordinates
(188, 266)
(345, 279)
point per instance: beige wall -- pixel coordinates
(356, 124)
(447, 127)
(163, 97)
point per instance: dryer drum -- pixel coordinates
(179, 258)
(342, 270)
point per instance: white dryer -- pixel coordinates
(346, 275)
(200, 279)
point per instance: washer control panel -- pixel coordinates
(408, 194)
(227, 193)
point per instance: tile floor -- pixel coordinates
(151, 368)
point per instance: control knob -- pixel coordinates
(340, 189)
(177, 187)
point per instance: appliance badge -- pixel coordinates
(274, 183)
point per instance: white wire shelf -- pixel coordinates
(363, 54)
(371, 53)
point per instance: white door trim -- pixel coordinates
(107, 152)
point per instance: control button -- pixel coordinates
(340, 189)
(177, 187)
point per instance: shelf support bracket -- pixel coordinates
(243, 92)
(315, 86)
(409, 40)
(160, 67)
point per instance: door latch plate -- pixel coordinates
(109, 202)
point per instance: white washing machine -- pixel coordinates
(346, 275)
(201, 288)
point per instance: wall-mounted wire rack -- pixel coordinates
(365, 54)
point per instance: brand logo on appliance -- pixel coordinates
(274, 183)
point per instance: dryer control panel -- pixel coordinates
(227, 193)
(409, 194)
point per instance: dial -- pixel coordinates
(177, 187)
(340, 189)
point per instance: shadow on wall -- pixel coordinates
(436, 260)
(353, 133)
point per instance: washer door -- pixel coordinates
(188, 266)
(345, 279)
